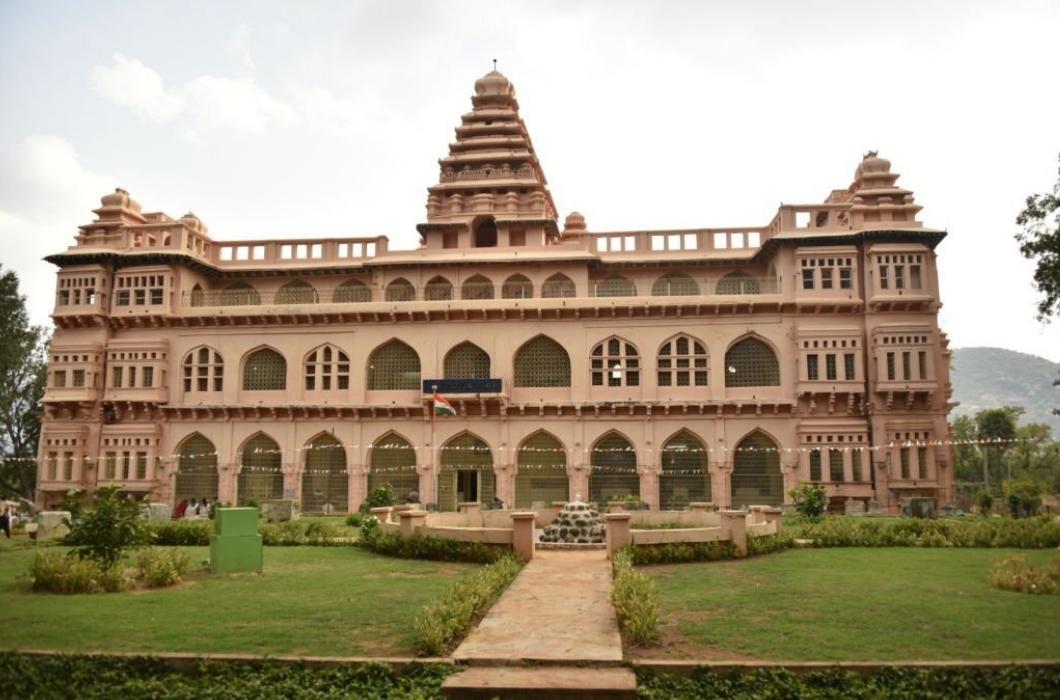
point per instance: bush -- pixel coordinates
(159, 567)
(182, 533)
(769, 544)
(1015, 573)
(429, 548)
(636, 601)
(380, 497)
(113, 580)
(443, 622)
(681, 552)
(984, 500)
(104, 533)
(354, 520)
(811, 501)
(54, 572)
(1028, 533)
(1024, 497)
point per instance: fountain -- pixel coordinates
(577, 524)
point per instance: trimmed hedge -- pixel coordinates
(681, 552)
(292, 533)
(182, 533)
(840, 531)
(636, 600)
(431, 548)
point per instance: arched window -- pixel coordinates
(198, 297)
(541, 475)
(682, 361)
(675, 284)
(615, 286)
(327, 368)
(477, 287)
(352, 292)
(196, 470)
(325, 481)
(486, 234)
(684, 477)
(400, 290)
(393, 461)
(467, 361)
(614, 470)
(260, 473)
(264, 370)
(203, 370)
(240, 294)
(517, 287)
(751, 362)
(296, 292)
(558, 286)
(542, 362)
(393, 365)
(438, 289)
(738, 283)
(466, 473)
(615, 362)
(756, 478)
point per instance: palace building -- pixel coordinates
(708, 364)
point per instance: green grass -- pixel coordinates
(855, 604)
(330, 601)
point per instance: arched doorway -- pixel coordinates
(684, 478)
(614, 470)
(325, 481)
(466, 473)
(196, 470)
(541, 476)
(756, 476)
(260, 472)
(393, 462)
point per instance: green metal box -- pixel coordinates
(237, 522)
(234, 554)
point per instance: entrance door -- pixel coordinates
(467, 486)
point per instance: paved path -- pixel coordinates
(557, 610)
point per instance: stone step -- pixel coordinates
(552, 682)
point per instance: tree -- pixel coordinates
(1039, 239)
(108, 530)
(967, 461)
(997, 425)
(23, 360)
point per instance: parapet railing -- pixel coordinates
(732, 239)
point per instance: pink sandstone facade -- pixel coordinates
(722, 365)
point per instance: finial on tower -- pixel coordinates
(494, 64)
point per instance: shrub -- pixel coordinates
(429, 548)
(443, 622)
(354, 520)
(370, 530)
(182, 533)
(1015, 573)
(113, 580)
(1024, 497)
(160, 567)
(984, 501)
(1027, 533)
(380, 497)
(322, 533)
(636, 601)
(104, 533)
(811, 501)
(769, 544)
(61, 573)
(289, 533)
(681, 552)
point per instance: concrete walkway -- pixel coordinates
(558, 610)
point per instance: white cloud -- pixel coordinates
(129, 83)
(239, 45)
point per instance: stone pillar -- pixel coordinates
(618, 532)
(721, 484)
(774, 516)
(649, 488)
(504, 480)
(735, 521)
(357, 489)
(226, 483)
(382, 513)
(412, 521)
(523, 534)
(756, 515)
(428, 493)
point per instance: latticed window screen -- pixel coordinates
(477, 287)
(517, 287)
(682, 361)
(325, 480)
(466, 472)
(400, 290)
(542, 362)
(835, 465)
(855, 463)
(615, 362)
(616, 286)
(541, 476)
(393, 461)
(353, 291)
(558, 286)
(240, 294)
(265, 370)
(394, 365)
(751, 362)
(614, 470)
(467, 361)
(260, 473)
(198, 297)
(296, 292)
(327, 369)
(738, 283)
(196, 470)
(815, 465)
(921, 462)
(684, 478)
(756, 478)
(438, 289)
(203, 370)
(676, 284)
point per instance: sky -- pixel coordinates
(299, 119)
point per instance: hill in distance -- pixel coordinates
(994, 377)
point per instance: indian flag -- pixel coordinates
(443, 407)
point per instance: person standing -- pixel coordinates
(5, 521)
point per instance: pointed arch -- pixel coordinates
(738, 283)
(196, 469)
(466, 472)
(541, 471)
(264, 369)
(484, 231)
(684, 478)
(203, 370)
(240, 294)
(558, 286)
(400, 290)
(393, 365)
(438, 289)
(682, 361)
(675, 284)
(756, 476)
(260, 470)
(614, 362)
(466, 361)
(616, 286)
(541, 362)
(326, 368)
(352, 292)
(392, 460)
(751, 361)
(198, 296)
(517, 287)
(297, 292)
(476, 287)
(325, 481)
(613, 473)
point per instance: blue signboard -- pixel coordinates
(462, 386)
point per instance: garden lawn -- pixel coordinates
(320, 601)
(854, 604)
